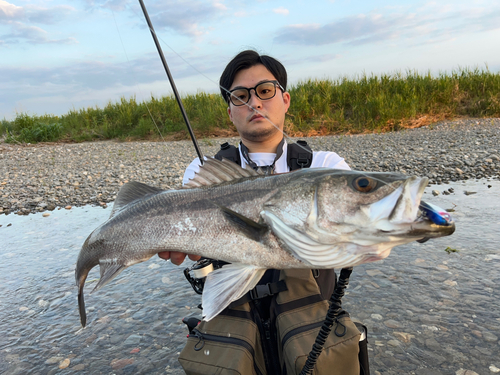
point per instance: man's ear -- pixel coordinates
(229, 113)
(286, 100)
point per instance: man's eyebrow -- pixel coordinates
(258, 83)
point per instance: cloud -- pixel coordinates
(34, 13)
(21, 23)
(89, 83)
(48, 16)
(10, 11)
(185, 17)
(373, 28)
(97, 75)
(116, 5)
(293, 60)
(281, 10)
(30, 34)
(348, 29)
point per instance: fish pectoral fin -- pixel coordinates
(109, 270)
(227, 284)
(250, 228)
(130, 192)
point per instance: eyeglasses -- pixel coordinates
(264, 91)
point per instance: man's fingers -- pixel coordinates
(176, 257)
(164, 255)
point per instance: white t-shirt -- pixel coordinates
(320, 159)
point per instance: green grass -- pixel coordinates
(346, 105)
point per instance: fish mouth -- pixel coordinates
(408, 216)
(432, 222)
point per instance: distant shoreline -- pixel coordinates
(41, 177)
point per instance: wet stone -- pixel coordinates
(393, 324)
(53, 360)
(132, 340)
(428, 371)
(78, 367)
(489, 337)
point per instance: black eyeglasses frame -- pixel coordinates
(276, 83)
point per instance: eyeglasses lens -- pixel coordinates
(264, 91)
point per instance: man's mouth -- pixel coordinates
(256, 117)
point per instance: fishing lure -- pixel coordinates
(436, 214)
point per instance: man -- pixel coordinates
(260, 123)
(254, 87)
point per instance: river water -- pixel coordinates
(428, 311)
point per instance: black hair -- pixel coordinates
(247, 59)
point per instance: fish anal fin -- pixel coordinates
(109, 270)
(130, 192)
(227, 284)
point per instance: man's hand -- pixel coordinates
(176, 257)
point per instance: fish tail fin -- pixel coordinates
(81, 276)
(81, 306)
(226, 285)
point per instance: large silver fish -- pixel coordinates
(310, 218)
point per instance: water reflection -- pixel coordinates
(424, 308)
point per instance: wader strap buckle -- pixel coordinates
(261, 291)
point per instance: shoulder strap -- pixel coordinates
(299, 155)
(229, 152)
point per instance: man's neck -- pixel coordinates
(268, 146)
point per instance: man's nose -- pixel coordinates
(254, 100)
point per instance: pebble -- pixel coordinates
(53, 360)
(494, 369)
(118, 364)
(99, 169)
(466, 372)
(45, 214)
(393, 324)
(64, 364)
(78, 367)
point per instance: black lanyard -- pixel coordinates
(267, 169)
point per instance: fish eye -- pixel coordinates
(364, 184)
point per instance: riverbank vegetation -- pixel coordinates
(318, 107)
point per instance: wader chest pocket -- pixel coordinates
(232, 350)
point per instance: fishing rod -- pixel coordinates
(172, 83)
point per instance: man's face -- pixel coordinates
(251, 125)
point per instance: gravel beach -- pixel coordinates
(36, 178)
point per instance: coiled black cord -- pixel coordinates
(334, 311)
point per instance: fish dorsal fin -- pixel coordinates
(214, 171)
(130, 192)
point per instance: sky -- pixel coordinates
(57, 56)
